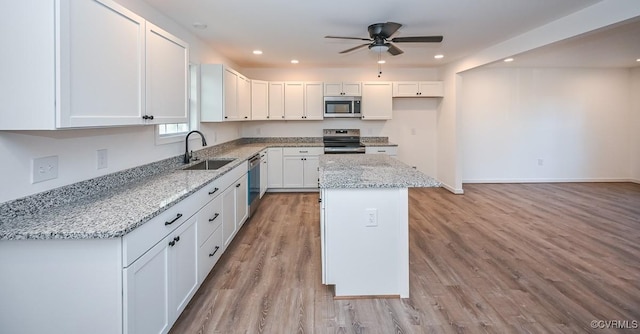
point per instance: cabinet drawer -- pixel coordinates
(302, 151)
(144, 237)
(209, 253)
(209, 218)
(389, 150)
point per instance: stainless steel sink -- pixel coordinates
(209, 164)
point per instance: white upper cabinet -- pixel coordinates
(87, 67)
(276, 100)
(418, 89)
(377, 100)
(166, 80)
(225, 94)
(303, 100)
(343, 89)
(313, 101)
(259, 100)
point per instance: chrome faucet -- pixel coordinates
(187, 155)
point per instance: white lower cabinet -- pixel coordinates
(274, 173)
(143, 280)
(264, 172)
(234, 208)
(158, 286)
(300, 166)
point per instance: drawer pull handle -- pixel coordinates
(172, 243)
(237, 185)
(176, 239)
(214, 217)
(382, 151)
(213, 191)
(215, 250)
(173, 220)
(304, 151)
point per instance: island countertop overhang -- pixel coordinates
(369, 171)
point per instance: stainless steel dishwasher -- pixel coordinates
(254, 183)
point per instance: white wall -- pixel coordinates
(601, 14)
(127, 146)
(634, 146)
(521, 125)
(413, 126)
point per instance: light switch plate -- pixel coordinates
(371, 217)
(43, 169)
(102, 159)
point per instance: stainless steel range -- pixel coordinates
(342, 141)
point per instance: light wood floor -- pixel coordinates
(530, 258)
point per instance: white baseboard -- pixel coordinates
(457, 191)
(635, 181)
(549, 180)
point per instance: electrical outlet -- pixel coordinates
(102, 158)
(371, 217)
(258, 131)
(43, 169)
(540, 162)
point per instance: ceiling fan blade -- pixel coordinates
(356, 38)
(389, 29)
(394, 50)
(355, 48)
(418, 39)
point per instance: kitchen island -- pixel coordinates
(364, 223)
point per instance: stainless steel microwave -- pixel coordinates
(342, 106)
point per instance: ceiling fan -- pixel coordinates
(379, 41)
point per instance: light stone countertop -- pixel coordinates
(341, 171)
(114, 205)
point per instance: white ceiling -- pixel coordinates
(287, 29)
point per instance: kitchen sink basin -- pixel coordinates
(209, 164)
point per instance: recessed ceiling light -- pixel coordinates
(381, 61)
(257, 52)
(199, 25)
(638, 59)
(294, 61)
(438, 56)
(508, 60)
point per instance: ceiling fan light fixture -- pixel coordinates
(379, 48)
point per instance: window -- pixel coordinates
(175, 132)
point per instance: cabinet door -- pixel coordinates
(166, 76)
(293, 172)
(294, 100)
(274, 177)
(259, 100)
(431, 89)
(406, 89)
(230, 80)
(102, 65)
(28, 85)
(276, 100)
(313, 101)
(228, 214)
(244, 98)
(146, 292)
(332, 88)
(310, 172)
(242, 201)
(352, 88)
(183, 267)
(376, 100)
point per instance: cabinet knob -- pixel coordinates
(225, 117)
(282, 116)
(238, 185)
(267, 116)
(245, 117)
